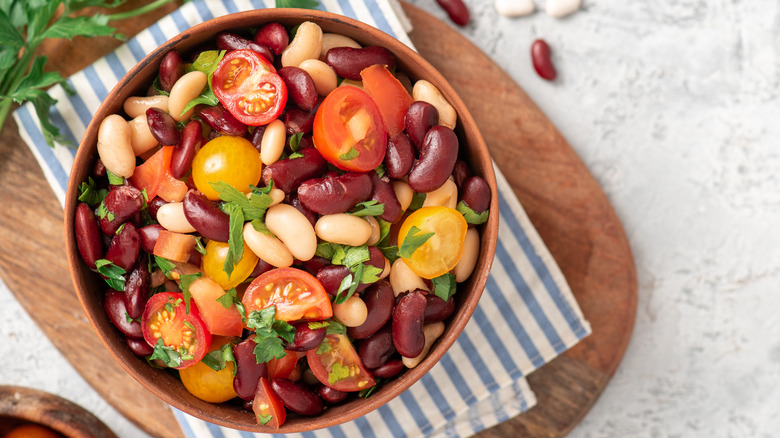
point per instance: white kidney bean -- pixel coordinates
(351, 313)
(444, 196)
(432, 333)
(427, 92)
(188, 87)
(514, 8)
(403, 193)
(331, 40)
(386, 270)
(115, 146)
(403, 279)
(307, 44)
(293, 229)
(272, 144)
(325, 79)
(140, 136)
(171, 217)
(268, 248)
(468, 258)
(277, 196)
(375, 231)
(351, 83)
(561, 8)
(134, 106)
(343, 228)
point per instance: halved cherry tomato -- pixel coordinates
(232, 160)
(442, 251)
(349, 131)
(296, 294)
(389, 94)
(283, 368)
(249, 88)
(207, 384)
(165, 317)
(220, 320)
(150, 174)
(336, 364)
(268, 409)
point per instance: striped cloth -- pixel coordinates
(526, 317)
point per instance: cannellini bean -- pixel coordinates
(307, 44)
(293, 229)
(268, 248)
(375, 231)
(325, 79)
(331, 40)
(115, 146)
(444, 196)
(403, 193)
(427, 92)
(403, 279)
(561, 8)
(386, 270)
(468, 258)
(272, 144)
(171, 217)
(351, 313)
(277, 196)
(140, 136)
(351, 83)
(343, 228)
(432, 333)
(134, 106)
(514, 8)
(188, 87)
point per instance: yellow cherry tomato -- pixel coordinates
(233, 160)
(213, 264)
(209, 385)
(441, 252)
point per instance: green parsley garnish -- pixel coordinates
(217, 360)
(471, 216)
(444, 286)
(206, 62)
(351, 154)
(412, 241)
(168, 355)
(114, 275)
(269, 334)
(90, 194)
(337, 372)
(369, 208)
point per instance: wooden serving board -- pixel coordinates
(564, 202)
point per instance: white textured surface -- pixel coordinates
(673, 106)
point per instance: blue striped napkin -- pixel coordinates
(526, 317)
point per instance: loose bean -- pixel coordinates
(337, 194)
(149, 235)
(331, 40)
(171, 69)
(375, 231)
(403, 279)
(468, 259)
(426, 91)
(390, 369)
(122, 203)
(431, 333)
(408, 316)
(343, 228)
(561, 8)
(352, 312)
(139, 347)
(383, 193)
(437, 159)
(274, 36)
(419, 119)
(436, 309)
(163, 127)
(348, 62)
(273, 142)
(514, 8)
(296, 397)
(476, 194)
(325, 79)
(375, 350)
(188, 87)
(172, 217)
(230, 41)
(306, 338)
(141, 137)
(458, 12)
(379, 300)
(267, 247)
(220, 120)
(184, 152)
(399, 157)
(444, 196)
(137, 288)
(300, 87)
(124, 247)
(307, 44)
(115, 146)
(205, 217)
(88, 235)
(248, 371)
(293, 229)
(330, 395)
(297, 120)
(114, 305)
(134, 106)
(540, 55)
(403, 193)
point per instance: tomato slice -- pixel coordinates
(349, 131)
(442, 251)
(283, 368)
(389, 94)
(268, 409)
(165, 317)
(149, 175)
(336, 364)
(220, 320)
(296, 294)
(249, 88)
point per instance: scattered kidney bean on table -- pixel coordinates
(283, 220)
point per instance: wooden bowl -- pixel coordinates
(165, 384)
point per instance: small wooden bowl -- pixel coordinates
(166, 385)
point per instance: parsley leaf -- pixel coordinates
(316, 325)
(130, 320)
(269, 334)
(217, 360)
(206, 62)
(168, 355)
(295, 141)
(165, 265)
(302, 4)
(335, 328)
(264, 419)
(186, 281)
(368, 392)
(324, 347)
(412, 241)
(103, 213)
(114, 180)
(369, 208)
(417, 202)
(114, 275)
(235, 238)
(472, 216)
(90, 194)
(351, 154)
(444, 286)
(390, 253)
(337, 372)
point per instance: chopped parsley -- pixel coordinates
(412, 241)
(472, 216)
(217, 360)
(114, 275)
(337, 372)
(444, 286)
(269, 334)
(369, 208)
(186, 281)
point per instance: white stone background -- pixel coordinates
(673, 106)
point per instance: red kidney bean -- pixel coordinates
(348, 62)
(99, 169)
(88, 235)
(306, 338)
(377, 348)
(437, 309)
(149, 235)
(230, 41)
(399, 157)
(297, 120)
(419, 119)
(300, 87)
(261, 268)
(195, 257)
(335, 195)
(458, 12)
(162, 127)
(330, 395)
(437, 159)
(383, 193)
(248, 371)
(296, 397)
(155, 205)
(310, 215)
(476, 194)
(205, 217)
(122, 203)
(390, 369)
(540, 55)
(331, 276)
(184, 152)
(461, 172)
(137, 287)
(171, 69)
(220, 119)
(408, 317)
(124, 247)
(313, 265)
(274, 36)
(306, 142)
(171, 286)
(139, 347)
(380, 300)
(376, 258)
(114, 305)
(290, 173)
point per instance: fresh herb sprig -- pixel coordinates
(269, 334)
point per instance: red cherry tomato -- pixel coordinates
(349, 131)
(165, 317)
(268, 409)
(283, 368)
(149, 175)
(296, 294)
(336, 364)
(389, 94)
(248, 86)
